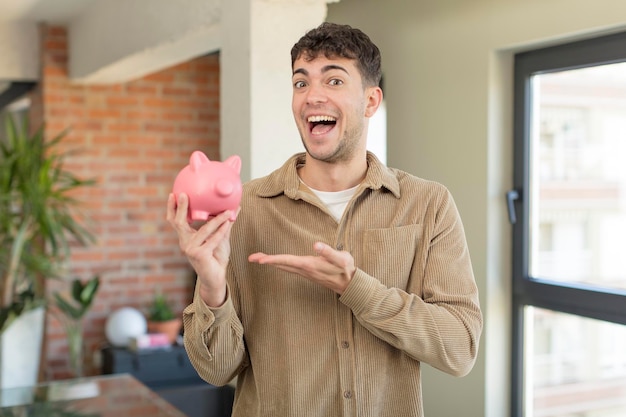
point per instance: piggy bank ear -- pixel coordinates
(234, 162)
(197, 159)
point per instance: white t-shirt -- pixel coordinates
(335, 201)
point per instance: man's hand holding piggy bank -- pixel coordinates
(212, 186)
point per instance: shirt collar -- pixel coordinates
(285, 179)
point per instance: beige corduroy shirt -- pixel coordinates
(300, 349)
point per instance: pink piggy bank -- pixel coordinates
(212, 186)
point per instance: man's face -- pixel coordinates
(330, 107)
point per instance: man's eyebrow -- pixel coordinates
(324, 69)
(334, 67)
(301, 71)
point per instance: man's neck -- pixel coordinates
(324, 176)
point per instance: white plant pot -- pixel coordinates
(20, 351)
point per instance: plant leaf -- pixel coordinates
(67, 308)
(89, 291)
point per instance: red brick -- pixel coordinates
(134, 138)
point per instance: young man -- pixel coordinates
(340, 275)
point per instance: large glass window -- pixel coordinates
(569, 260)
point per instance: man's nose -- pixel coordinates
(316, 94)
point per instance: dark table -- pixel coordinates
(169, 373)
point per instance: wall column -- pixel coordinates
(256, 119)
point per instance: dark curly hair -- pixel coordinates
(341, 41)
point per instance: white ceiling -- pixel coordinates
(52, 11)
(111, 41)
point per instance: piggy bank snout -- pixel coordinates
(224, 188)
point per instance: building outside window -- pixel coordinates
(570, 238)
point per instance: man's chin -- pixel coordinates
(327, 156)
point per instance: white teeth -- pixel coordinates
(314, 119)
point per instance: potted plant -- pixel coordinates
(162, 319)
(72, 311)
(38, 223)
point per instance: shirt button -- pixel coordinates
(347, 394)
(340, 246)
(345, 345)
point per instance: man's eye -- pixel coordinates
(335, 81)
(299, 84)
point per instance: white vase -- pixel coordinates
(20, 350)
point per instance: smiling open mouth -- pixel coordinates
(319, 125)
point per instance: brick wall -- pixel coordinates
(133, 138)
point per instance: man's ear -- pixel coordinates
(374, 98)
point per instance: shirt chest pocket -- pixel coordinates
(389, 254)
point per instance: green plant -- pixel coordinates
(82, 294)
(38, 222)
(160, 310)
(74, 310)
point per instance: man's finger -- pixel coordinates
(171, 208)
(329, 253)
(182, 206)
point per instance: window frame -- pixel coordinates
(577, 299)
